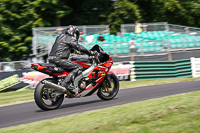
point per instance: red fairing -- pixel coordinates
(48, 71)
(83, 64)
(102, 69)
(39, 67)
(110, 60)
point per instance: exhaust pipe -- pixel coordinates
(54, 86)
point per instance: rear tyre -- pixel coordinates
(46, 98)
(106, 93)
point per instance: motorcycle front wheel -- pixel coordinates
(106, 93)
(46, 98)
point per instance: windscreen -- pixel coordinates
(103, 55)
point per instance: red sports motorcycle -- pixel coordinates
(96, 77)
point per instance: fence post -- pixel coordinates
(84, 30)
(145, 28)
(122, 29)
(169, 56)
(107, 29)
(166, 26)
(168, 50)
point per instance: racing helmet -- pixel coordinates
(73, 31)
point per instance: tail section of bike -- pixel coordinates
(49, 69)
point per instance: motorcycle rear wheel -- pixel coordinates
(106, 93)
(44, 99)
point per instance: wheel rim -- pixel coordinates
(109, 92)
(49, 96)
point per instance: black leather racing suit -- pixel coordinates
(60, 53)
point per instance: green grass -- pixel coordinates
(173, 114)
(16, 97)
(27, 95)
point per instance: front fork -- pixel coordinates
(107, 79)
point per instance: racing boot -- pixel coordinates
(69, 79)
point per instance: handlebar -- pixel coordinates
(96, 58)
(78, 52)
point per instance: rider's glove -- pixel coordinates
(76, 52)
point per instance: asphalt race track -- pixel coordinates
(28, 112)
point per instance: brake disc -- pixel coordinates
(111, 88)
(51, 96)
(45, 93)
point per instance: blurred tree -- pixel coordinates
(124, 11)
(51, 11)
(18, 17)
(175, 11)
(184, 12)
(88, 12)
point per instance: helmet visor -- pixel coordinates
(77, 34)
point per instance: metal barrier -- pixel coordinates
(122, 48)
(183, 29)
(175, 38)
(156, 38)
(158, 26)
(44, 37)
(14, 66)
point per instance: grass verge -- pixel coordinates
(27, 95)
(16, 97)
(129, 84)
(178, 113)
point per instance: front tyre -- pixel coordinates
(47, 98)
(106, 93)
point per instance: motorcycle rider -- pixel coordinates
(60, 52)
